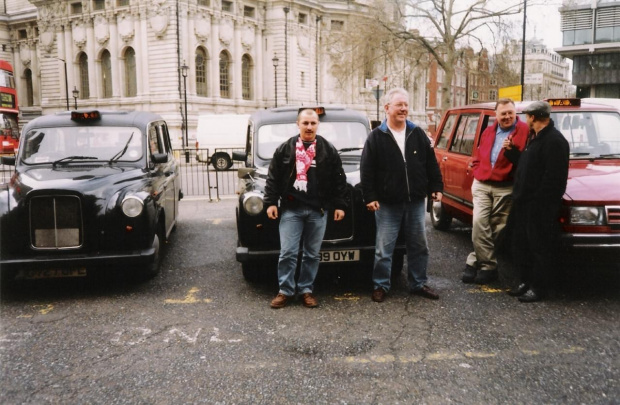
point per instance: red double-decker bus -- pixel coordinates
(9, 110)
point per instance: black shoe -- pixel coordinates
(518, 290)
(486, 276)
(426, 292)
(531, 296)
(469, 274)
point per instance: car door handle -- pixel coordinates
(445, 158)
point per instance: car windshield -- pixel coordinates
(78, 144)
(347, 137)
(590, 134)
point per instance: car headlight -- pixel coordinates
(586, 216)
(132, 206)
(253, 203)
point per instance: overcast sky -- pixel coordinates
(544, 24)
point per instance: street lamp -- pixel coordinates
(184, 70)
(378, 93)
(76, 93)
(275, 61)
(66, 78)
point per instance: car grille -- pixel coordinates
(613, 216)
(338, 231)
(55, 222)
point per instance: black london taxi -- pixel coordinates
(590, 215)
(91, 190)
(348, 242)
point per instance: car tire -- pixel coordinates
(253, 271)
(398, 261)
(221, 161)
(440, 219)
(152, 269)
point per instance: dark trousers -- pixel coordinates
(535, 242)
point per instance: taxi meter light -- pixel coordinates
(564, 102)
(85, 115)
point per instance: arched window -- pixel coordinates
(224, 75)
(201, 72)
(131, 87)
(106, 74)
(84, 85)
(29, 90)
(246, 77)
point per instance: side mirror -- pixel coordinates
(240, 156)
(8, 160)
(159, 158)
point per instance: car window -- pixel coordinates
(343, 135)
(465, 134)
(589, 133)
(156, 144)
(43, 145)
(444, 136)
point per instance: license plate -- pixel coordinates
(51, 273)
(340, 256)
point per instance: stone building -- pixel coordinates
(129, 54)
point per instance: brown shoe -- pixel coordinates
(426, 292)
(378, 295)
(309, 301)
(280, 301)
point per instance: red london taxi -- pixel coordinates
(590, 215)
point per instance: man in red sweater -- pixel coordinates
(492, 190)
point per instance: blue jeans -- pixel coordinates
(296, 224)
(389, 219)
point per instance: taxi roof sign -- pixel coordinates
(564, 102)
(319, 110)
(85, 115)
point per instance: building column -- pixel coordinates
(214, 67)
(257, 78)
(237, 54)
(142, 54)
(94, 88)
(115, 60)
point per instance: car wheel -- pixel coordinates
(440, 219)
(252, 271)
(152, 269)
(221, 161)
(398, 260)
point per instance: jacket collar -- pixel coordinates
(409, 126)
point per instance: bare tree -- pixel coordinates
(442, 27)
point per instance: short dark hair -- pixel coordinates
(304, 110)
(504, 101)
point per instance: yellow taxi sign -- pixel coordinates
(320, 111)
(85, 115)
(564, 102)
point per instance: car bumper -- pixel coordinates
(245, 254)
(592, 241)
(126, 258)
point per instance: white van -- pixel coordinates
(216, 137)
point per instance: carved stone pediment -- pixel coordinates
(247, 37)
(46, 39)
(125, 27)
(227, 31)
(79, 34)
(102, 29)
(202, 27)
(25, 55)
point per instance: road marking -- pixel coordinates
(486, 289)
(190, 298)
(44, 310)
(347, 297)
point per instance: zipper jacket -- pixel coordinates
(331, 181)
(388, 177)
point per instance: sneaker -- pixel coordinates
(280, 301)
(309, 301)
(378, 295)
(426, 292)
(486, 276)
(469, 274)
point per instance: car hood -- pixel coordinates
(596, 181)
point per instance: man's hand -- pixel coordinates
(373, 206)
(338, 215)
(436, 196)
(272, 212)
(507, 144)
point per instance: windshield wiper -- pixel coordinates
(580, 153)
(348, 149)
(121, 152)
(609, 155)
(70, 158)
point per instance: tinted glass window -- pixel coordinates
(465, 134)
(442, 141)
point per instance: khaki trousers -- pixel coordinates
(492, 204)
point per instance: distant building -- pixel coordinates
(591, 38)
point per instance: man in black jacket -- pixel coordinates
(398, 171)
(307, 177)
(540, 182)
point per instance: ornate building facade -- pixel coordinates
(212, 56)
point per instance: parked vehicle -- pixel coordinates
(350, 241)
(217, 136)
(90, 190)
(9, 110)
(590, 215)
